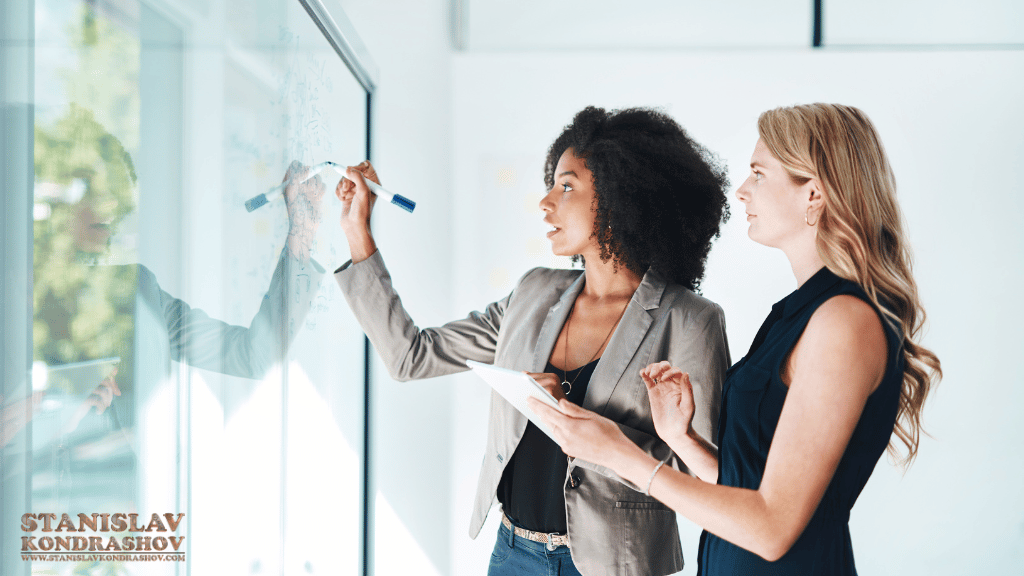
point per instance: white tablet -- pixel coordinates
(516, 387)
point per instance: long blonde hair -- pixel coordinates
(860, 231)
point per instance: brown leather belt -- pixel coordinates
(552, 540)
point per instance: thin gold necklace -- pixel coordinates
(566, 384)
(573, 481)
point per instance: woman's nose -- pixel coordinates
(741, 193)
(546, 204)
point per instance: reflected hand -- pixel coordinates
(584, 434)
(14, 416)
(671, 396)
(356, 206)
(103, 395)
(305, 209)
(101, 398)
(550, 382)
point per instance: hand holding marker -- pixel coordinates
(277, 191)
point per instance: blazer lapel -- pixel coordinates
(552, 325)
(625, 342)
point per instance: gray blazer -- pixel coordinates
(613, 527)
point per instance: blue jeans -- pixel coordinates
(516, 556)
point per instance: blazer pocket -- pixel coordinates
(648, 505)
(648, 530)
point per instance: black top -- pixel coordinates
(752, 401)
(531, 488)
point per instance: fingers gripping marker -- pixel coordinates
(278, 191)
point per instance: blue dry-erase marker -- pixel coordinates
(277, 191)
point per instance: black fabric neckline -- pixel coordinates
(815, 286)
(532, 485)
(575, 370)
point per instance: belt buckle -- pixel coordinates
(551, 543)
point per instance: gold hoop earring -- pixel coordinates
(807, 219)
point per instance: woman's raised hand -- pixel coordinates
(356, 206)
(671, 397)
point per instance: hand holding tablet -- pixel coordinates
(516, 387)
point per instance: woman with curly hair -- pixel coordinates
(833, 373)
(638, 201)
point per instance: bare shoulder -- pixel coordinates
(848, 332)
(847, 319)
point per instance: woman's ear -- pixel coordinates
(816, 201)
(813, 189)
(815, 196)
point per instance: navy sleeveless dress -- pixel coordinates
(753, 395)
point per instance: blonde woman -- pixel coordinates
(833, 372)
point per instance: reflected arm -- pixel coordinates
(251, 351)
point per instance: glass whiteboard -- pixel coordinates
(196, 396)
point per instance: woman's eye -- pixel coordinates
(757, 175)
(566, 187)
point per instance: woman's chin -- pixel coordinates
(766, 242)
(566, 253)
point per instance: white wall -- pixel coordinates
(951, 122)
(923, 22)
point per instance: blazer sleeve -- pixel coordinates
(411, 353)
(700, 348)
(246, 351)
(703, 351)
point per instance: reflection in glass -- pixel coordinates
(144, 403)
(89, 314)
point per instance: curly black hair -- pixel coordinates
(660, 197)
